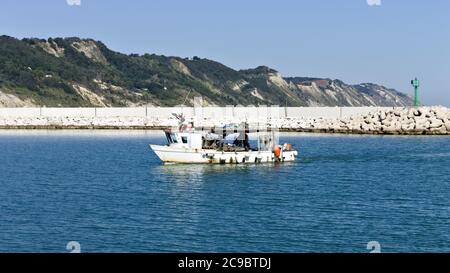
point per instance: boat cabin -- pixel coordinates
(202, 140)
(186, 140)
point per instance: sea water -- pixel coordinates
(108, 192)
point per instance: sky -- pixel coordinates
(388, 42)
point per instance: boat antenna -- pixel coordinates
(181, 120)
(180, 117)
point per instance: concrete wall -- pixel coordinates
(313, 112)
(64, 112)
(352, 111)
(20, 112)
(121, 112)
(243, 113)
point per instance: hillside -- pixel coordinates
(84, 72)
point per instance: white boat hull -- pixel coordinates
(183, 155)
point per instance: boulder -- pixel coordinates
(447, 124)
(435, 123)
(387, 121)
(441, 113)
(407, 127)
(390, 128)
(439, 130)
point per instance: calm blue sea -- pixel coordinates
(109, 192)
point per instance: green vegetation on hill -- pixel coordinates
(76, 72)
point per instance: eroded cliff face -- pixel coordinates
(83, 72)
(326, 92)
(10, 100)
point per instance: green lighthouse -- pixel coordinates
(415, 83)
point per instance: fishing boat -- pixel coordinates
(231, 145)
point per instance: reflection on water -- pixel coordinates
(187, 173)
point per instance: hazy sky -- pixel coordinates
(388, 42)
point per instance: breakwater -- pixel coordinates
(406, 121)
(357, 120)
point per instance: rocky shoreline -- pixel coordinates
(397, 121)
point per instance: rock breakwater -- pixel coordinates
(405, 121)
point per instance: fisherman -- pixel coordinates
(190, 127)
(246, 142)
(242, 141)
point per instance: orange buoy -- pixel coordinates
(277, 151)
